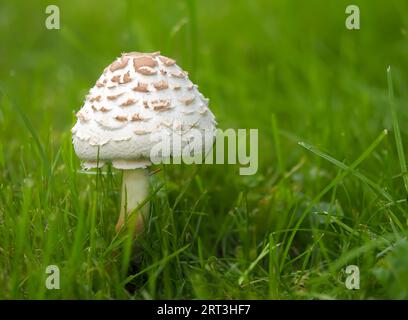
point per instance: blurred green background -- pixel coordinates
(257, 60)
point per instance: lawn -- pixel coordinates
(329, 191)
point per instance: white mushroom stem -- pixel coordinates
(135, 189)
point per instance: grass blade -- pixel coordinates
(161, 262)
(397, 132)
(336, 180)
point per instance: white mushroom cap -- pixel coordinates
(139, 99)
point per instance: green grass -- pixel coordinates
(330, 191)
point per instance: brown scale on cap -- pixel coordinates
(161, 85)
(145, 104)
(136, 117)
(129, 102)
(114, 97)
(163, 72)
(180, 74)
(144, 64)
(82, 117)
(187, 101)
(147, 71)
(144, 61)
(141, 87)
(126, 78)
(121, 118)
(93, 99)
(160, 105)
(167, 61)
(119, 64)
(115, 79)
(99, 84)
(103, 109)
(176, 87)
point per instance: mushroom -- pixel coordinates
(121, 121)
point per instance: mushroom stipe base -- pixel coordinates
(135, 189)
